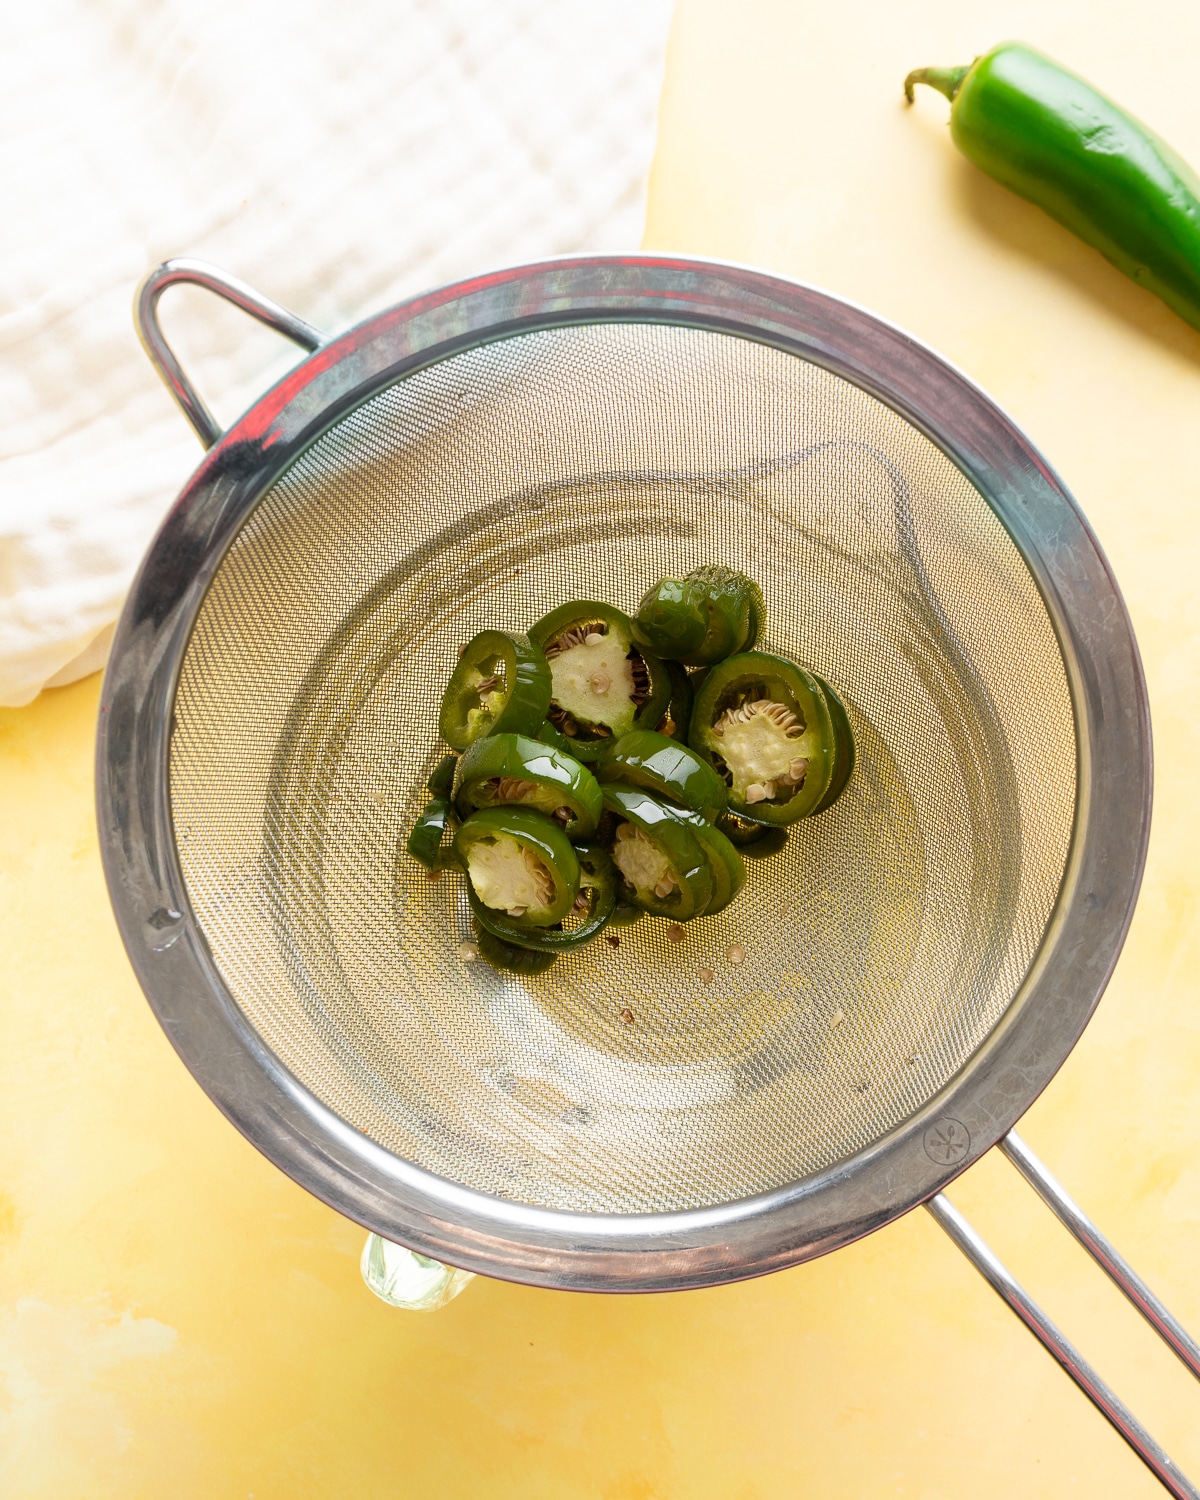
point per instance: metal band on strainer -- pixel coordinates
(920, 960)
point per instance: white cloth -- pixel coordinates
(336, 154)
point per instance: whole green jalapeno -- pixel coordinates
(1051, 137)
(663, 866)
(501, 685)
(665, 768)
(589, 914)
(520, 862)
(700, 619)
(767, 725)
(510, 768)
(602, 683)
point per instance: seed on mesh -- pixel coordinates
(675, 933)
(612, 940)
(627, 1017)
(433, 874)
(468, 952)
(706, 976)
(836, 1019)
(736, 953)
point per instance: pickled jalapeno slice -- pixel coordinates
(602, 683)
(666, 768)
(519, 862)
(725, 864)
(501, 685)
(425, 840)
(441, 778)
(514, 958)
(703, 618)
(663, 866)
(767, 726)
(752, 840)
(589, 914)
(675, 721)
(506, 769)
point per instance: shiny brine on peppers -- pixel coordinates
(767, 725)
(507, 769)
(589, 914)
(602, 683)
(663, 866)
(701, 619)
(519, 862)
(665, 768)
(501, 685)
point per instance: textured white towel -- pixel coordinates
(336, 154)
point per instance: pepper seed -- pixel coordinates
(675, 933)
(736, 953)
(612, 940)
(468, 952)
(627, 1017)
(707, 976)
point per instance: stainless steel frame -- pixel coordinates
(648, 1252)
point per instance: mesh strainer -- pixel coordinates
(922, 957)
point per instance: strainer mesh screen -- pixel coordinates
(885, 941)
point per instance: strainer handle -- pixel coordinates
(1101, 1395)
(199, 273)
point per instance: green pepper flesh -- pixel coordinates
(1049, 136)
(501, 685)
(512, 769)
(493, 845)
(666, 769)
(666, 872)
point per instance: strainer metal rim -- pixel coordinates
(635, 1252)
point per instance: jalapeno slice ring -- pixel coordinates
(766, 724)
(752, 840)
(501, 685)
(508, 769)
(724, 861)
(521, 862)
(588, 916)
(665, 768)
(441, 778)
(679, 710)
(513, 957)
(425, 840)
(663, 866)
(602, 683)
(702, 618)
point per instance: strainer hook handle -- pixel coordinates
(200, 273)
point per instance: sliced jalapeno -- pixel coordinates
(441, 779)
(590, 913)
(602, 683)
(666, 768)
(501, 685)
(521, 862)
(513, 957)
(752, 840)
(425, 840)
(664, 868)
(700, 619)
(767, 726)
(679, 710)
(724, 861)
(504, 769)
(843, 762)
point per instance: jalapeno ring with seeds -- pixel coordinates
(602, 683)
(509, 769)
(663, 866)
(501, 685)
(521, 862)
(588, 916)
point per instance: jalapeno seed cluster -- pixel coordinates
(600, 780)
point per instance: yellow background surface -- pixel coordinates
(177, 1319)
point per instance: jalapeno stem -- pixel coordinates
(947, 81)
